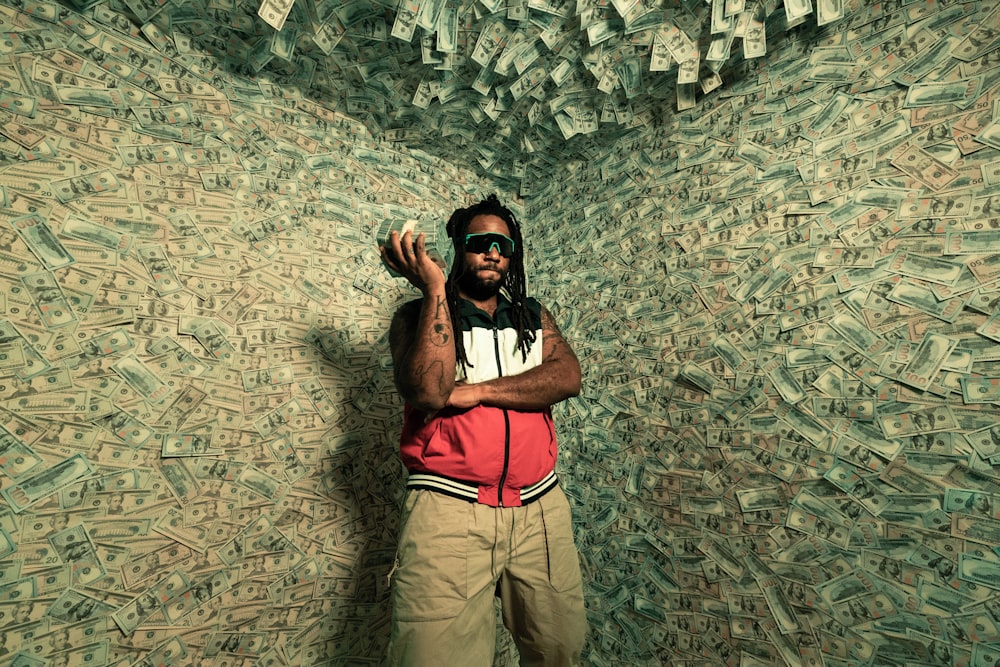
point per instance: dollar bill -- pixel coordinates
(39, 238)
(278, 417)
(75, 606)
(980, 389)
(212, 338)
(141, 378)
(75, 548)
(16, 457)
(926, 268)
(985, 269)
(698, 377)
(990, 328)
(928, 420)
(236, 307)
(167, 114)
(84, 230)
(31, 490)
(985, 441)
(156, 262)
(856, 256)
(188, 444)
(180, 482)
(130, 430)
(76, 187)
(967, 501)
(971, 242)
(259, 482)
(927, 360)
(291, 465)
(978, 570)
(267, 378)
(845, 478)
(924, 167)
(921, 298)
(982, 39)
(843, 408)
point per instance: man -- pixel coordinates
(479, 364)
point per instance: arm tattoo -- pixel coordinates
(551, 333)
(435, 370)
(440, 335)
(439, 331)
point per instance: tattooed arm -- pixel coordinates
(420, 336)
(555, 379)
(423, 352)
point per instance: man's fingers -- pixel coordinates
(388, 258)
(396, 242)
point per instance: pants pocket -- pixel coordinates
(563, 560)
(431, 582)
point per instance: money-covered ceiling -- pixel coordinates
(513, 89)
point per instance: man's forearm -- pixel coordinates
(426, 376)
(534, 389)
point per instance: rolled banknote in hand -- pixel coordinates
(402, 226)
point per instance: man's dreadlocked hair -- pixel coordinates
(513, 285)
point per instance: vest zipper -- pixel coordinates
(506, 420)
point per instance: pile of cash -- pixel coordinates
(787, 306)
(514, 88)
(198, 424)
(779, 267)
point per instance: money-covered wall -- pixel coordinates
(199, 428)
(786, 305)
(779, 276)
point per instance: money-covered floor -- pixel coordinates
(770, 230)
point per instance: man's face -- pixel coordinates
(485, 272)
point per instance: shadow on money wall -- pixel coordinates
(187, 478)
(362, 480)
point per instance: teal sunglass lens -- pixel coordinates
(484, 243)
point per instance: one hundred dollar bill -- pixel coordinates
(39, 238)
(29, 491)
(141, 378)
(76, 187)
(985, 441)
(980, 389)
(928, 420)
(155, 260)
(982, 39)
(919, 297)
(267, 378)
(856, 256)
(927, 360)
(188, 444)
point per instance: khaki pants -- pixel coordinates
(454, 556)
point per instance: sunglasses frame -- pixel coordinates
(494, 243)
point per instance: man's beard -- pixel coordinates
(478, 289)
